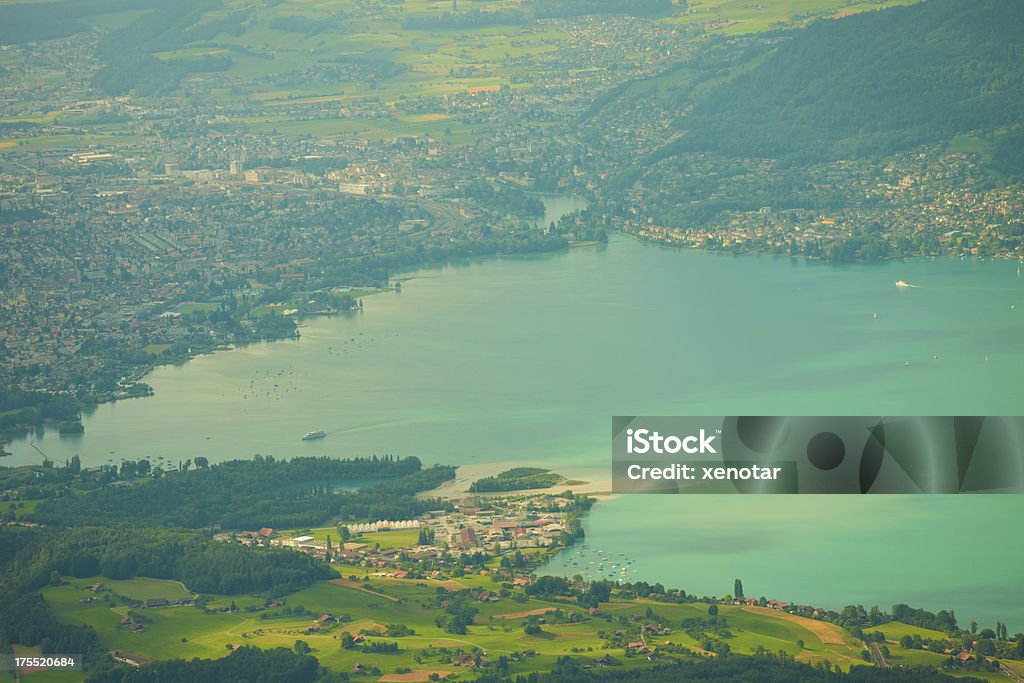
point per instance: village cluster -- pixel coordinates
(497, 526)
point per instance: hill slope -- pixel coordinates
(873, 83)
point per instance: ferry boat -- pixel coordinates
(318, 434)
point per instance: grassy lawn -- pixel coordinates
(140, 588)
(389, 539)
(768, 630)
(174, 632)
(24, 507)
(498, 628)
(1017, 666)
(901, 657)
(734, 17)
(155, 349)
(895, 630)
(972, 144)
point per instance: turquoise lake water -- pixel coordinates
(526, 359)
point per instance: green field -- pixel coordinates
(390, 539)
(894, 630)
(156, 349)
(972, 144)
(387, 539)
(735, 17)
(901, 657)
(141, 588)
(23, 507)
(372, 605)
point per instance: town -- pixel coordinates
(141, 228)
(494, 526)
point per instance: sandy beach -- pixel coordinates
(465, 475)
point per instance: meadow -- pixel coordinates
(365, 601)
(373, 603)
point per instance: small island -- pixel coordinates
(517, 479)
(71, 426)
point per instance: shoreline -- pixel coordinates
(465, 475)
(456, 490)
(808, 259)
(137, 378)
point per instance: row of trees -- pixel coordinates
(722, 669)
(249, 664)
(264, 492)
(191, 557)
(22, 410)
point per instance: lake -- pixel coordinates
(526, 359)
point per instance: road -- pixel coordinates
(876, 655)
(1013, 675)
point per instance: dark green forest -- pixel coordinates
(264, 492)
(730, 670)
(789, 122)
(244, 664)
(872, 83)
(21, 410)
(131, 67)
(516, 479)
(204, 565)
(30, 21)
(127, 52)
(250, 664)
(125, 522)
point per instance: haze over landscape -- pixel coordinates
(313, 316)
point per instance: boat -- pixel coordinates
(902, 283)
(309, 436)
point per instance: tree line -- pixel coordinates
(264, 493)
(873, 83)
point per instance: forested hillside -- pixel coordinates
(872, 83)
